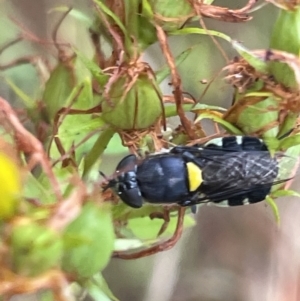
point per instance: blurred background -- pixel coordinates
(232, 254)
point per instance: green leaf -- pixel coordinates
(132, 12)
(125, 244)
(35, 248)
(115, 146)
(285, 192)
(58, 89)
(227, 126)
(171, 110)
(288, 142)
(260, 116)
(201, 106)
(162, 73)
(95, 70)
(195, 30)
(288, 124)
(123, 212)
(147, 229)
(286, 37)
(33, 189)
(98, 289)
(94, 154)
(270, 201)
(171, 15)
(256, 62)
(73, 128)
(88, 241)
(27, 100)
(128, 44)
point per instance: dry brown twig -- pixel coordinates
(223, 13)
(11, 285)
(117, 40)
(176, 81)
(67, 210)
(27, 35)
(28, 144)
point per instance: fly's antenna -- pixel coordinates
(103, 175)
(110, 182)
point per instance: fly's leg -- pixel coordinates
(165, 215)
(163, 246)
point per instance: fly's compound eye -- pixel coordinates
(129, 190)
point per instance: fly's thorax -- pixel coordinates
(163, 178)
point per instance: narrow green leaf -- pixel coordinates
(288, 124)
(285, 192)
(27, 100)
(95, 70)
(58, 89)
(201, 106)
(125, 244)
(129, 45)
(71, 133)
(147, 229)
(162, 73)
(171, 110)
(288, 142)
(96, 151)
(147, 10)
(270, 201)
(227, 126)
(256, 62)
(99, 290)
(33, 189)
(195, 30)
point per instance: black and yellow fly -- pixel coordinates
(229, 171)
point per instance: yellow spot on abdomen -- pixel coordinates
(194, 176)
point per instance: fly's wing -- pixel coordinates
(288, 169)
(238, 178)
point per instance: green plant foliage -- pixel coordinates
(58, 89)
(35, 248)
(262, 113)
(88, 241)
(286, 37)
(100, 100)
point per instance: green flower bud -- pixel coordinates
(134, 101)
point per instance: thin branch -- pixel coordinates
(29, 144)
(55, 31)
(176, 81)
